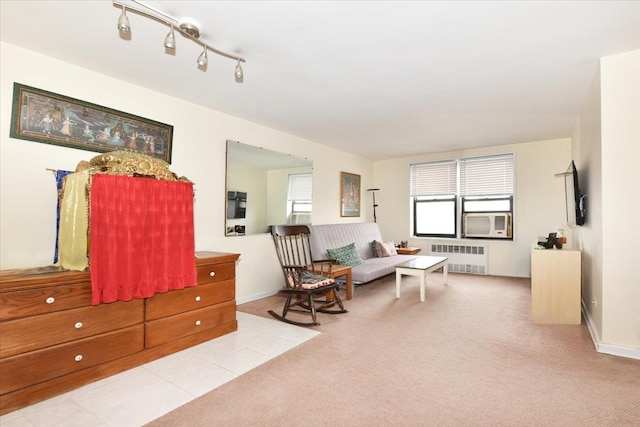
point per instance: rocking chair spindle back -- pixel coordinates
(293, 249)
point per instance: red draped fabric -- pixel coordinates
(141, 237)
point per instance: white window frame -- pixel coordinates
(482, 180)
(299, 196)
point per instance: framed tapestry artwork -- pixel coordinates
(349, 194)
(50, 118)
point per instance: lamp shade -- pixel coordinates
(123, 21)
(202, 59)
(170, 40)
(239, 73)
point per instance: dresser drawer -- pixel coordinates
(37, 366)
(179, 301)
(170, 328)
(209, 273)
(14, 305)
(23, 335)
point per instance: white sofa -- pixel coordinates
(332, 236)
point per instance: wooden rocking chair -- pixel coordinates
(304, 278)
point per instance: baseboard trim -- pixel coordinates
(614, 350)
(255, 297)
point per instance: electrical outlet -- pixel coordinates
(594, 302)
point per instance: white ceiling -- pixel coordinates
(379, 79)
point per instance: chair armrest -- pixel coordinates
(331, 260)
(323, 266)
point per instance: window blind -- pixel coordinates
(491, 175)
(300, 187)
(433, 179)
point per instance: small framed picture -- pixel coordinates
(349, 194)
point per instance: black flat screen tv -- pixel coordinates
(576, 209)
(236, 204)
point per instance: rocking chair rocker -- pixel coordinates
(304, 278)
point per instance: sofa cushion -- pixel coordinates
(345, 255)
(385, 249)
(309, 280)
(374, 248)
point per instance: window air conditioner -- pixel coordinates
(493, 225)
(300, 218)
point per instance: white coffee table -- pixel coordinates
(420, 266)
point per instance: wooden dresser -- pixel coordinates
(53, 340)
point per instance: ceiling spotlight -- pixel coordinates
(186, 27)
(239, 73)
(170, 40)
(123, 21)
(202, 59)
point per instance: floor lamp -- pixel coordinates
(373, 192)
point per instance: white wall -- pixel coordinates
(28, 192)
(609, 145)
(539, 203)
(620, 76)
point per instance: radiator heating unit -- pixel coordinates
(470, 259)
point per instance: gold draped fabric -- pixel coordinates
(74, 221)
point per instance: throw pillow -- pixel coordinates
(346, 255)
(386, 249)
(374, 249)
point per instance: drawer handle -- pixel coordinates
(78, 358)
(198, 298)
(198, 323)
(212, 273)
(79, 325)
(50, 300)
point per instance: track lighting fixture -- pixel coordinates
(239, 73)
(202, 59)
(186, 27)
(170, 40)
(123, 21)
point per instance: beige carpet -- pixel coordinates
(468, 356)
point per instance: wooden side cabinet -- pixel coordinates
(408, 251)
(556, 286)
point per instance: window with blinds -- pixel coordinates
(300, 187)
(299, 198)
(486, 176)
(449, 195)
(434, 179)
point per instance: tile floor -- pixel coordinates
(140, 395)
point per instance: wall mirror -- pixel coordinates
(264, 188)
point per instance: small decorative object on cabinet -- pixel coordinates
(54, 340)
(555, 286)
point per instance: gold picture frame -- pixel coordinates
(349, 194)
(50, 118)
